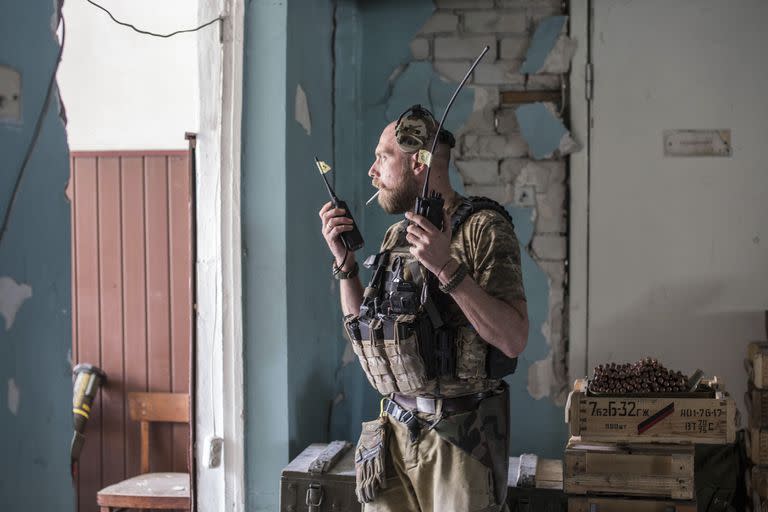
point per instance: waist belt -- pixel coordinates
(428, 405)
(406, 417)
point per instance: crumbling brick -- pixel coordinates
(467, 47)
(440, 21)
(451, 70)
(513, 47)
(499, 146)
(458, 4)
(498, 73)
(479, 172)
(496, 21)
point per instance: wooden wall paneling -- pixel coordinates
(111, 307)
(132, 314)
(181, 275)
(158, 311)
(73, 248)
(88, 319)
(134, 296)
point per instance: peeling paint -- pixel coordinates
(540, 377)
(301, 110)
(542, 43)
(14, 396)
(12, 296)
(559, 59)
(544, 131)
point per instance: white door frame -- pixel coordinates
(219, 325)
(578, 261)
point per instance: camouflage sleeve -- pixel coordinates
(493, 256)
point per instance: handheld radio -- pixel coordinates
(430, 203)
(352, 240)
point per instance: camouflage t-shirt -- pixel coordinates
(486, 243)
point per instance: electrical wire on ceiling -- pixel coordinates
(47, 101)
(145, 32)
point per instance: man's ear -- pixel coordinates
(417, 166)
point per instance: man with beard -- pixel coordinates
(441, 442)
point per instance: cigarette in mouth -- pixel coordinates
(372, 197)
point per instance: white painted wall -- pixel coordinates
(124, 90)
(678, 247)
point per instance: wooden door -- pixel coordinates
(132, 273)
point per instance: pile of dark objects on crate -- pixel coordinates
(637, 431)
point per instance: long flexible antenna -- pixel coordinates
(445, 114)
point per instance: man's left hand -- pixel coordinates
(428, 244)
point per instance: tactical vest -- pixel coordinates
(400, 338)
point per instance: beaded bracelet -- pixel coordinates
(455, 280)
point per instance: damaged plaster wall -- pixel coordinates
(35, 404)
(376, 79)
(498, 159)
(425, 54)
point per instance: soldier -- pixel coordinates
(441, 442)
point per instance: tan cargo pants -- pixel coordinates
(433, 475)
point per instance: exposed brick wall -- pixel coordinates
(491, 155)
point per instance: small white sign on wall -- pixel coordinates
(697, 142)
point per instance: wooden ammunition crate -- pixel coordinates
(758, 481)
(757, 364)
(757, 407)
(595, 504)
(652, 470)
(651, 420)
(545, 495)
(757, 446)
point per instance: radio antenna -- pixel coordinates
(445, 114)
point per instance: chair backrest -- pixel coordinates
(156, 407)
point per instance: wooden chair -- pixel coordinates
(151, 490)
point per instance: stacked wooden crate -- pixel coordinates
(636, 453)
(757, 434)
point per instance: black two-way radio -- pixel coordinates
(430, 203)
(352, 240)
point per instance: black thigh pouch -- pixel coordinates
(370, 457)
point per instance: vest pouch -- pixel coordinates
(401, 343)
(471, 353)
(379, 373)
(352, 326)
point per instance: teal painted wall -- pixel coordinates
(264, 251)
(354, 63)
(34, 469)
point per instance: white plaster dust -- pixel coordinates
(540, 378)
(14, 395)
(301, 110)
(12, 296)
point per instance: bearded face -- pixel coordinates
(402, 197)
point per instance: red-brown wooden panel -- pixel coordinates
(158, 297)
(111, 306)
(132, 303)
(134, 293)
(180, 252)
(88, 313)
